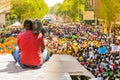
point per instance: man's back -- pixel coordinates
(30, 48)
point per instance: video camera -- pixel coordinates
(38, 27)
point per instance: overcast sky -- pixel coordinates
(51, 3)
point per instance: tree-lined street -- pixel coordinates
(82, 33)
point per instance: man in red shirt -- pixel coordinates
(30, 47)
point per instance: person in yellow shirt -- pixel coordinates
(80, 58)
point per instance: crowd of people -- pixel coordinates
(5, 33)
(92, 48)
(8, 39)
(89, 44)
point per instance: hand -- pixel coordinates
(40, 35)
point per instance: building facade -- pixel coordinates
(4, 9)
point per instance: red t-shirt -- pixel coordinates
(30, 48)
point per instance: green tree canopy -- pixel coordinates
(71, 8)
(28, 8)
(55, 9)
(108, 10)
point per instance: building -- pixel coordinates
(4, 9)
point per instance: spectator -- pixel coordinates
(29, 51)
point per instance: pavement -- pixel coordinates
(9, 70)
(58, 69)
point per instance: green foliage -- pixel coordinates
(55, 9)
(74, 8)
(28, 8)
(71, 8)
(109, 10)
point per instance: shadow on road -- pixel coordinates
(13, 68)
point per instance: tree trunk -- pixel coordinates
(108, 27)
(114, 31)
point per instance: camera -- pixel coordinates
(38, 27)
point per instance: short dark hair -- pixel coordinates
(28, 24)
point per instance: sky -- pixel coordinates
(51, 3)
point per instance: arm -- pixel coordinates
(42, 44)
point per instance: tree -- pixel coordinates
(74, 8)
(108, 10)
(55, 9)
(70, 8)
(28, 9)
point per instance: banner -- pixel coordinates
(115, 49)
(88, 15)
